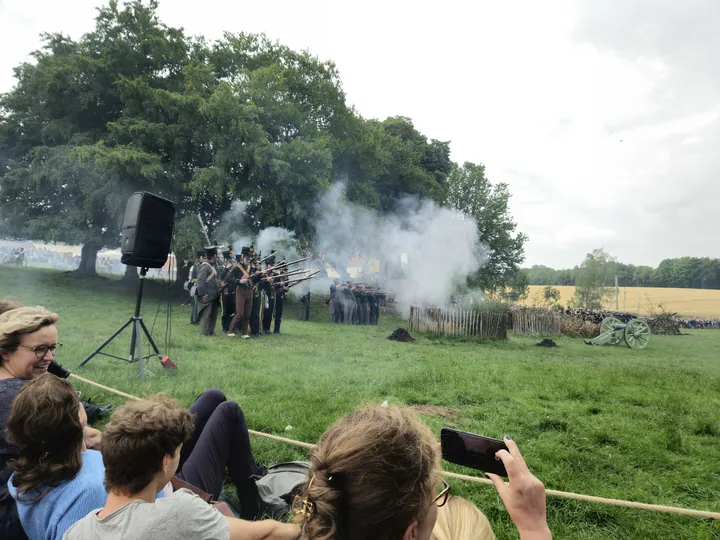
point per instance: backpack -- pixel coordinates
(282, 482)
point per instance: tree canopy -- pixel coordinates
(685, 273)
(137, 105)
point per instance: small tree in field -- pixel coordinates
(548, 297)
(592, 280)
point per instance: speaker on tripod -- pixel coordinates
(146, 238)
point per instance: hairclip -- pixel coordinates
(307, 507)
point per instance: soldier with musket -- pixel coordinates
(228, 292)
(208, 292)
(281, 289)
(240, 275)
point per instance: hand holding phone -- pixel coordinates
(523, 495)
(471, 450)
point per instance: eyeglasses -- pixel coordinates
(442, 493)
(42, 350)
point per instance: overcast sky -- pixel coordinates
(603, 116)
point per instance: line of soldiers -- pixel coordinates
(250, 296)
(354, 303)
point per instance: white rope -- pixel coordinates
(464, 477)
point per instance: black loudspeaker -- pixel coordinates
(147, 230)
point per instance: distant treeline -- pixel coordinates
(684, 273)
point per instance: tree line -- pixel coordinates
(137, 105)
(683, 272)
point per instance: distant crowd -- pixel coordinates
(699, 322)
(597, 316)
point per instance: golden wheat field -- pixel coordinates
(689, 302)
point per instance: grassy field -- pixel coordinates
(687, 302)
(606, 421)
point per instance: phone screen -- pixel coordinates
(470, 450)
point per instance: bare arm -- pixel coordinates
(261, 530)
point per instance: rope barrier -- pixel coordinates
(466, 478)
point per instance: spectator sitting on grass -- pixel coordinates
(375, 475)
(57, 480)
(219, 445)
(28, 341)
(142, 445)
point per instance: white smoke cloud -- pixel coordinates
(276, 238)
(433, 248)
(424, 251)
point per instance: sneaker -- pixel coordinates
(245, 336)
(231, 334)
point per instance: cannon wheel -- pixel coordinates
(637, 334)
(607, 326)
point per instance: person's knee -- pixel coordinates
(213, 395)
(230, 409)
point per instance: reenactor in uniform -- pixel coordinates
(267, 293)
(208, 292)
(240, 275)
(255, 308)
(305, 304)
(281, 289)
(228, 292)
(334, 303)
(191, 286)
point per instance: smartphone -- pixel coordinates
(470, 450)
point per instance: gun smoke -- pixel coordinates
(423, 251)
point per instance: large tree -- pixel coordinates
(469, 191)
(65, 177)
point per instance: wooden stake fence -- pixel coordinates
(459, 322)
(536, 321)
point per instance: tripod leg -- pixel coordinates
(149, 337)
(133, 340)
(107, 341)
(136, 333)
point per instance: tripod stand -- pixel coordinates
(138, 326)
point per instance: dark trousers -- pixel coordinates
(208, 317)
(279, 306)
(228, 306)
(220, 443)
(305, 307)
(243, 309)
(268, 314)
(194, 317)
(255, 315)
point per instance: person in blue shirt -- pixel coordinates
(56, 480)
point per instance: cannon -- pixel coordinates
(636, 333)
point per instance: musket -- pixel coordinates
(265, 258)
(296, 272)
(289, 263)
(204, 230)
(296, 281)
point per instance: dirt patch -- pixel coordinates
(401, 335)
(448, 413)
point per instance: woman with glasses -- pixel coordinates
(28, 341)
(375, 474)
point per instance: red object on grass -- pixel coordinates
(167, 363)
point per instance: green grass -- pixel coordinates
(606, 421)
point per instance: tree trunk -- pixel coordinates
(88, 260)
(131, 274)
